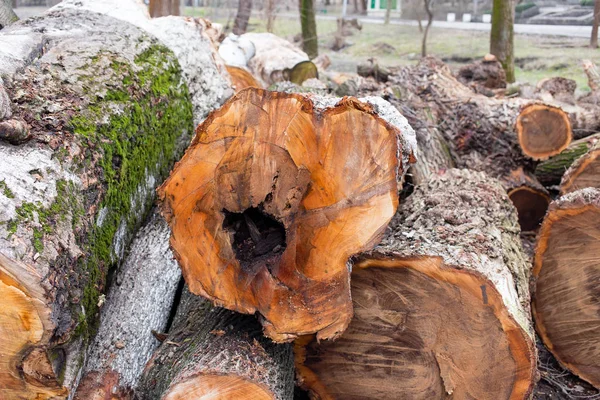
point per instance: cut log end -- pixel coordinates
(241, 78)
(265, 211)
(217, 387)
(531, 205)
(585, 172)
(566, 305)
(25, 370)
(438, 331)
(302, 71)
(543, 131)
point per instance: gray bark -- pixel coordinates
(212, 341)
(106, 111)
(7, 15)
(139, 301)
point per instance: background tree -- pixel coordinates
(243, 15)
(429, 11)
(270, 14)
(309, 28)
(388, 11)
(7, 15)
(502, 36)
(162, 8)
(594, 39)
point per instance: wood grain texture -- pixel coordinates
(584, 172)
(441, 305)
(312, 170)
(543, 131)
(566, 304)
(242, 78)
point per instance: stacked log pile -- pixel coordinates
(281, 254)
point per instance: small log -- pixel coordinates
(284, 191)
(441, 305)
(584, 172)
(543, 130)
(528, 196)
(139, 301)
(218, 354)
(557, 88)
(372, 69)
(277, 60)
(487, 73)
(566, 305)
(550, 171)
(242, 78)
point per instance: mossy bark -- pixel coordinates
(502, 36)
(108, 113)
(310, 42)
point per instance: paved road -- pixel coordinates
(549, 30)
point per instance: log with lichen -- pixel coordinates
(441, 305)
(215, 353)
(103, 110)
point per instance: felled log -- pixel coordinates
(557, 88)
(565, 302)
(107, 111)
(441, 305)
(487, 73)
(284, 191)
(139, 301)
(372, 69)
(550, 171)
(528, 196)
(242, 78)
(584, 172)
(278, 60)
(216, 353)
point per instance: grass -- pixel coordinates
(537, 57)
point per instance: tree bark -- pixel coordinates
(388, 12)
(584, 172)
(502, 36)
(7, 15)
(163, 8)
(441, 305)
(429, 12)
(243, 15)
(594, 38)
(139, 301)
(112, 114)
(566, 308)
(274, 240)
(270, 11)
(216, 353)
(551, 171)
(308, 23)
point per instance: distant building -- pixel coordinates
(379, 7)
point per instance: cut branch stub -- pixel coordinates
(543, 130)
(566, 303)
(272, 199)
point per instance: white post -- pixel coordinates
(344, 6)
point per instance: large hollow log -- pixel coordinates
(441, 305)
(139, 301)
(584, 172)
(551, 171)
(566, 305)
(105, 110)
(213, 353)
(274, 195)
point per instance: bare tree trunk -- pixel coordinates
(7, 15)
(501, 38)
(243, 15)
(270, 15)
(594, 38)
(309, 28)
(162, 8)
(388, 11)
(428, 4)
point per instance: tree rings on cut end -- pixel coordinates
(566, 303)
(421, 330)
(298, 189)
(531, 205)
(217, 387)
(543, 130)
(584, 172)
